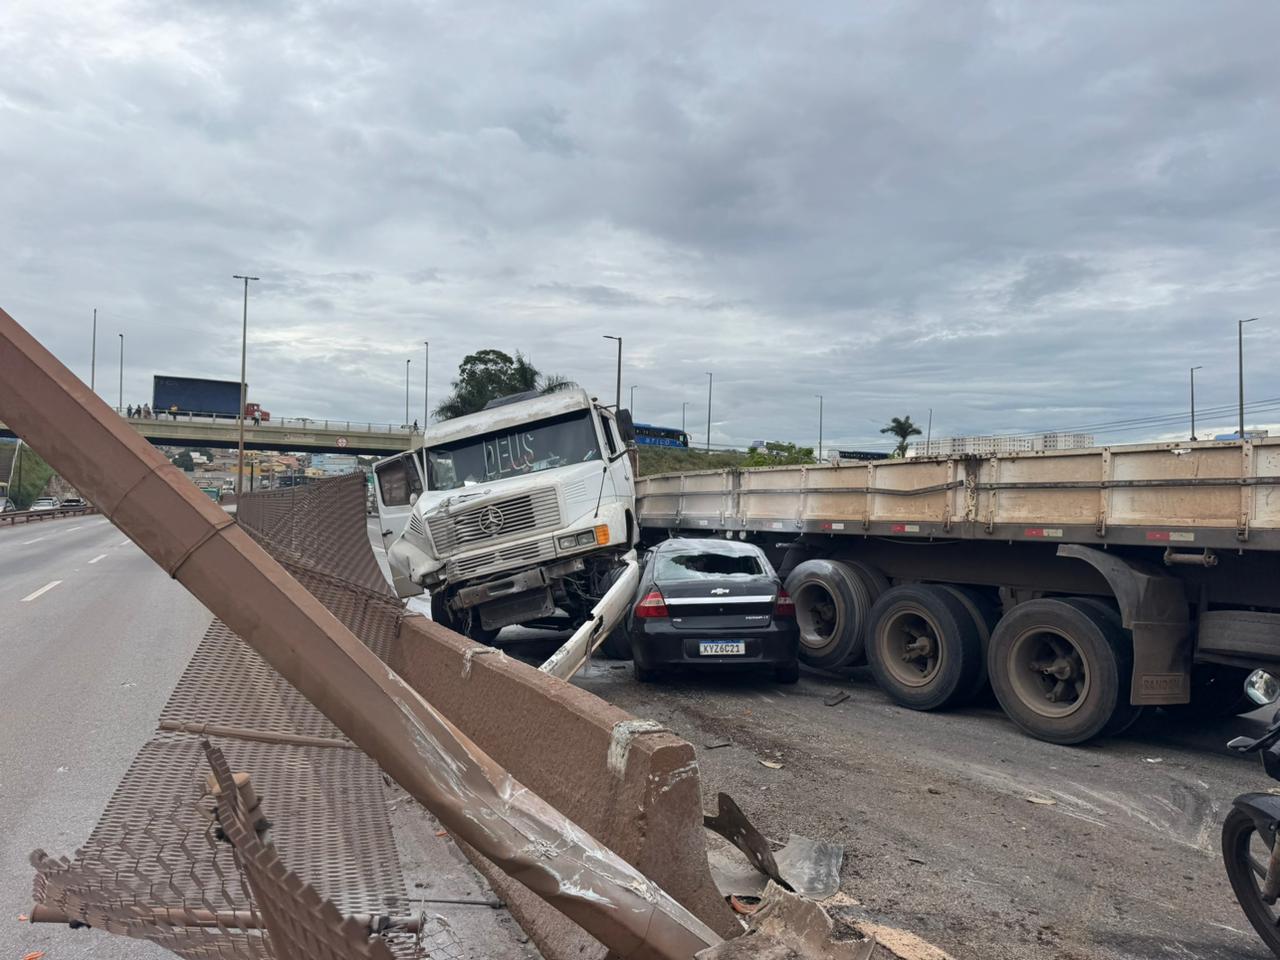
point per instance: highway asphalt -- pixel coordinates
(93, 637)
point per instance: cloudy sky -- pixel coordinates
(1024, 216)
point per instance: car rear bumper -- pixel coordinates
(660, 644)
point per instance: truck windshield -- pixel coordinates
(544, 445)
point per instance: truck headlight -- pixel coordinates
(584, 539)
(567, 543)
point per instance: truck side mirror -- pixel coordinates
(626, 426)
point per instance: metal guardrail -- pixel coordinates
(27, 516)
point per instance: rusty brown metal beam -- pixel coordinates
(201, 546)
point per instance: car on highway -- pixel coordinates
(74, 503)
(707, 603)
(6, 505)
(44, 503)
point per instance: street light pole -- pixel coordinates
(244, 349)
(710, 380)
(120, 400)
(1240, 343)
(819, 396)
(406, 390)
(633, 401)
(1193, 402)
(618, 400)
(426, 385)
(683, 405)
(928, 434)
(93, 353)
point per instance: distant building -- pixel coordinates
(333, 464)
(991, 445)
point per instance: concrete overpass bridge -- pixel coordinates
(290, 434)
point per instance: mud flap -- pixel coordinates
(1153, 607)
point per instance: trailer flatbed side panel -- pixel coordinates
(1192, 495)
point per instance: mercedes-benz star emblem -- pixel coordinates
(491, 520)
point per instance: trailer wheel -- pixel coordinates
(985, 614)
(1108, 618)
(1055, 671)
(832, 603)
(923, 646)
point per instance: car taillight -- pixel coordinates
(784, 606)
(653, 605)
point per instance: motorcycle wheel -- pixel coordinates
(1245, 854)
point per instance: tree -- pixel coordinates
(489, 374)
(904, 430)
(183, 461)
(775, 453)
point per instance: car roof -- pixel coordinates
(734, 548)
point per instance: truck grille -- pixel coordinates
(496, 521)
(475, 563)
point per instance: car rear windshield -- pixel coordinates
(544, 445)
(699, 565)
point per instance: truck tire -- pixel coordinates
(1217, 691)
(923, 646)
(1240, 633)
(1056, 671)
(832, 603)
(985, 614)
(1108, 618)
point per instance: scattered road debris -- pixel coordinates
(717, 744)
(772, 765)
(836, 698)
(1042, 801)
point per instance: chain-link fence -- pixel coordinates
(182, 860)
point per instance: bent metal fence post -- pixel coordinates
(201, 546)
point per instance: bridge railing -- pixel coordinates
(282, 423)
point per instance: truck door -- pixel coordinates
(397, 484)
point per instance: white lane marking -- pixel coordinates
(73, 529)
(36, 540)
(45, 589)
(97, 558)
(124, 542)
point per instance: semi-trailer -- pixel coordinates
(1082, 586)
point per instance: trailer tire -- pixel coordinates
(1240, 633)
(1045, 649)
(923, 646)
(832, 604)
(1108, 617)
(985, 614)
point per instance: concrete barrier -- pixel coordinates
(634, 788)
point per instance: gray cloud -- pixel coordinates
(1023, 216)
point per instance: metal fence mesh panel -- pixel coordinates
(155, 866)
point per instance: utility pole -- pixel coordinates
(683, 405)
(426, 386)
(1193, 402)
(244, 345)
(618, 400)
(633, 402)
(1240, 342)
(710, 380)
(406, 391)
(120, 400)
(819, 396)
(928, 433)
(93, 353)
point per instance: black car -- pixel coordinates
(712, 603)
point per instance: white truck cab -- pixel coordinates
(511, 514)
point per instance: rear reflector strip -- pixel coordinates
(905, 528)
(1177, 536)
(1043, 531)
